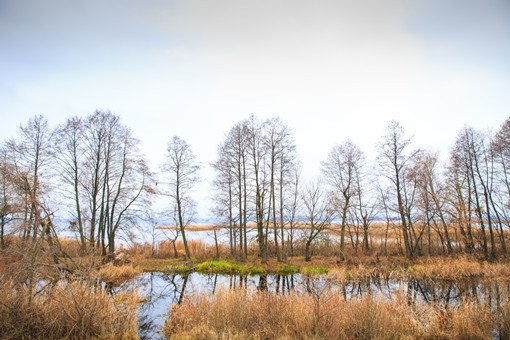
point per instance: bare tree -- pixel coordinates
(394, 158)
(235, 150)
(292, 207)
(9, 201)
(223, 185)
(183, 171)
(69, 156)
(470, 155)
(424, 174)
(106, 174)
(280, 147)
(367, 206)
(127, 187)
(257, 154)
(317, 213)
(97, 128)
(31, 155)
(341, 170)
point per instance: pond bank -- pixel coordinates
(448, 268)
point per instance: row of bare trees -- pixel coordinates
(461, 204)
(257, 178)
(89, 169)
(92, 171)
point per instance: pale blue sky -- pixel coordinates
(330, 69)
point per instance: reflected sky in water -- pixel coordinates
(162, 291)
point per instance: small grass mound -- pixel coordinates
(314, 270)
(286, 269)
(178, 269)
(222, 267)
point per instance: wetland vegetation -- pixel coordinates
(406, 247)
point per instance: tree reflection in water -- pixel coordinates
(162, 291)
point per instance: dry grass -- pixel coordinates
(71, 310)
(192, 227)
(47, 295)
(117, 274)
(435, 268)
(242, 314)
(458, 268)
(164, 249)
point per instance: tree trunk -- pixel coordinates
(308, 255)
(342, 230)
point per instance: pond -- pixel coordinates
(162, 291)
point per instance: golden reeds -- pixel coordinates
(247, 314)
(117, 274)
(70, 310)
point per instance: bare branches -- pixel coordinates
(182, 171)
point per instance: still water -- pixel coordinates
(162, 291)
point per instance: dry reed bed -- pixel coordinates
(245, 314)
(436, 268)
(117, 274)
(66, 310)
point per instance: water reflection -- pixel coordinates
(162, 291)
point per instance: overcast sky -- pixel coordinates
(329, 69)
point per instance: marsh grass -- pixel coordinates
(50, 291)
(66, 310)
(435, 268)
(250, 314)
(165, 249)
(117, 274)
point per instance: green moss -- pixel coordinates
(314, 270)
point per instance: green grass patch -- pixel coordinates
(286, 269)
(222, 267)
(178, 269)
(311, 270)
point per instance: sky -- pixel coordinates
(330, 69)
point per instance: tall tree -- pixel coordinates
(280, 147)
(341, 170)
(9, 202)
(317, 213)
(182, 170)
(223, 185)
(31, 155)
(472, 152)
(69, 156)
(110, 181)
(424, 174)
(257, 154)
(394, 158)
